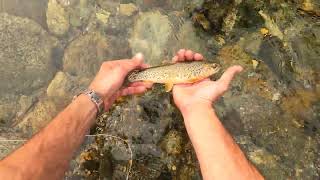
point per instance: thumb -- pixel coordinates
(134, 63)
(227, 76)
(137, 60)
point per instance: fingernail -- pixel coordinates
(175, 58)
(139, 56)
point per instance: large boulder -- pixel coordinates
(27, 63)
(84, 55)
(25, 56)
(150, 35)
(42, 113)
(33, 9)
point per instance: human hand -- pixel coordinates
(204, 92)
(109, 80)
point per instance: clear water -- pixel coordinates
(49, 50)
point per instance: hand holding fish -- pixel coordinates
(109, 80)
(205, 91)
(218, 154)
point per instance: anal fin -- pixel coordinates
(168, 87)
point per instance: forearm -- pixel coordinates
(47, 154)
(219, 156)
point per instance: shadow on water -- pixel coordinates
(54, 48)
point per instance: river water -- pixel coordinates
(50, 49)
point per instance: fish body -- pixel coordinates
(181, 72)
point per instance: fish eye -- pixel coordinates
(214, 65)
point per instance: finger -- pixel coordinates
(132, 90)
(175, 59)
(227, 76)
(144, 66)
(189, 55)
(135, 63)
(198, 57)
(180, 55)
(140, 83)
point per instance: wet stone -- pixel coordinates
(27, 56)
(43, 112)
(33, 9)
(80, 13)
(150, 35)
(24, 43)
(57, 18)
(84, 56)
(172, 142)
(10, 134)
(62, 86)
(127, 9)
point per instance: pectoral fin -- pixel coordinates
(168, 86)
(194, 80)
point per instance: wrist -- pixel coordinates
(104, 93)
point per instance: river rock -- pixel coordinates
(110, 5)
(141, 118)
(80, 13)
(27, 62)
(7, 143)
(33, 9)
(127, 9)
(266, 161)
(85, 54)
(57, 18)
(7, 109)
(188, 39)
(26, 55)
(43, 112)
(172, 142)
(61, 86)
(150, 35)
(306, 59)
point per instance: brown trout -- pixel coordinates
(170, 74)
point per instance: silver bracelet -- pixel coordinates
(94, 97)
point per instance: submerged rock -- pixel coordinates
(26, 55)
(62, 86)
(187, 38)
(150, 35)
(44, 111)
(306, 55)
(215, 12)
(80, 13)
(8, 109)
(310, 6)
(28, 63)
(127, 9)
(33, 9)
(57, 18)
(110, 5)
(172, 143)
(84, 55)
(6, 147)
(271, 25)
(268, 163)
